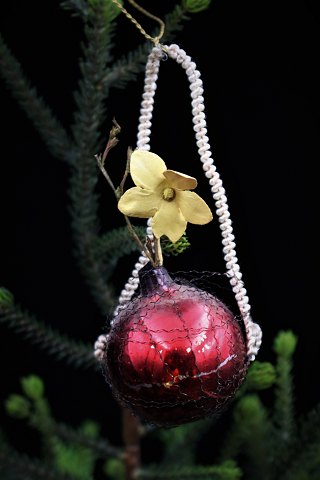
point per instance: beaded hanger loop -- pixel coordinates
(253, 330)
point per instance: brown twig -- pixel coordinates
(131, 433)
(126, 172)
(112, 142)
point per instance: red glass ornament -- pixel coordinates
(175, 354)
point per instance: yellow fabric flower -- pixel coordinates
(163, 195)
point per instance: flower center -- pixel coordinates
(168, 194)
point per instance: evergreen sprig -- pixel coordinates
(91, 110)
(100, 446)
(115, 244)
(51, 131)
(17, 466)
(72, 352)
(170, 248)
(183, 442)
(70, 450)
(304, 459)
(284, 346)
(79, 8)
(226, 471)
(131, 64)
(305, 464)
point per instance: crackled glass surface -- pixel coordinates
(175, 354)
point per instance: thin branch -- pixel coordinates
(131, 433)
(118, 192)
(126, 173)
(101, 159)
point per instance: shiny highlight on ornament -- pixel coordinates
(175, 354)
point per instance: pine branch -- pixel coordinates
(305, 449)
(283, 411)
(306, 465)
(128, 67)
(115, 244)
(73, 353)
(309, 426)
(180, 442)
(251, 438)
(50, 130)
(90, 99)
(22, 467)
(78, 7)
(284, 346)
(101, 447)
(226, 471)
(284, 416)
(91, 93)
(174, 22)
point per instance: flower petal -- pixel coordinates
(146, 169)
(169, 221)
(193, 208)
(180, 180)
(137, 202)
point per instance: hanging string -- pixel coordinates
(154, 40)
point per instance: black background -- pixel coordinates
(260, 67)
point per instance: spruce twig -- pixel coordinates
(73, 353)
(118, 192)
(25, 468)
(101, 447)
(51, 131)
(180, 442)
(251, 438)
(284, 409)
(226, 471)
(90, 99)
(112, 246)
(79, 7)
(129, 66)
(305, 465)
(304, 461)
(284, 416)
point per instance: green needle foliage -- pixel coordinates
(248, 450)
(263, 441)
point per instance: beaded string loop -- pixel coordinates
(253, 330)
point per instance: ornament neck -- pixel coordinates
(154, 279)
